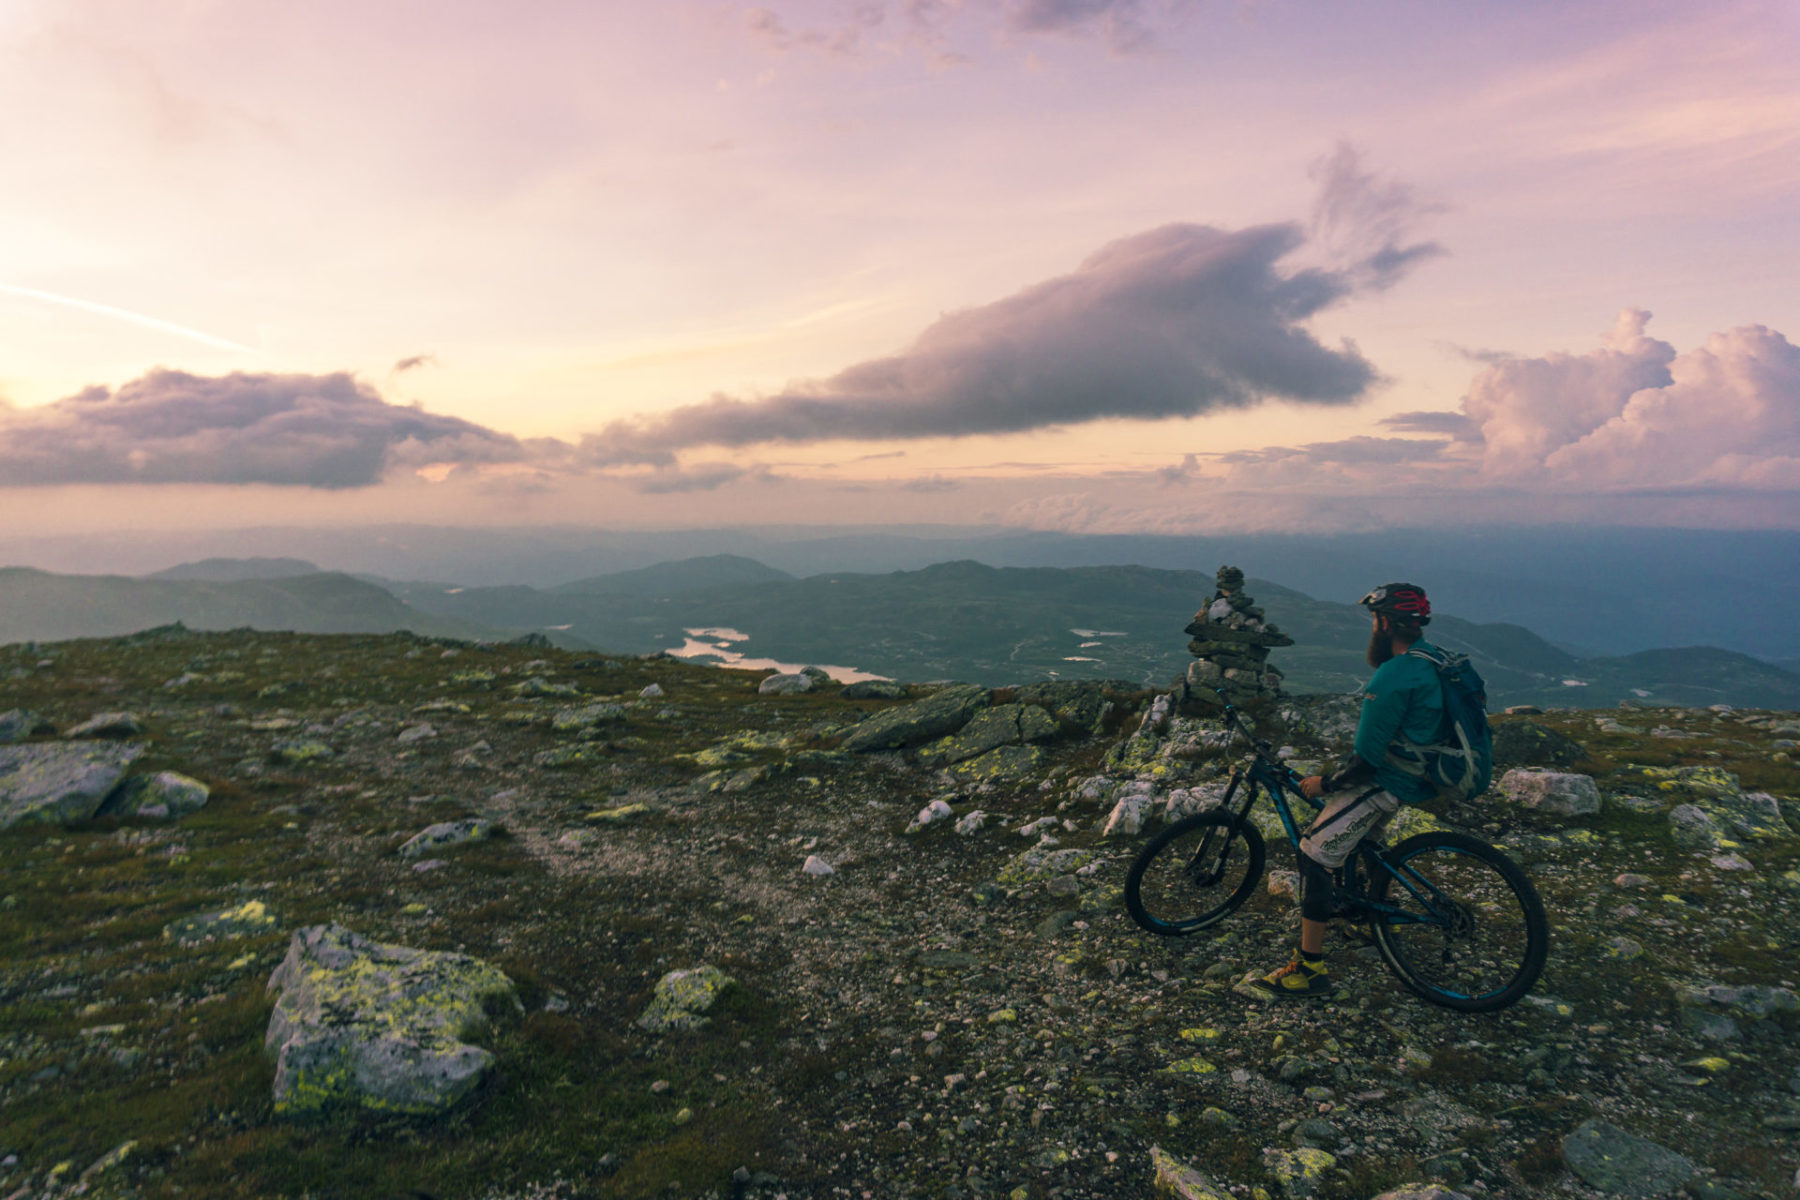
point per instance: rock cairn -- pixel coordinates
(1231, 645)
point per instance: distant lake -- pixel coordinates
(715, 641)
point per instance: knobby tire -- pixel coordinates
(1171, 894)
(1490, 952)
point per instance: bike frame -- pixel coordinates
(1265, 772)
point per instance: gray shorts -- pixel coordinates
(1349, 816)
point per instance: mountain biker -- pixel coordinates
(1403, 703)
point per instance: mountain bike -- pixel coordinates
(1458, 921)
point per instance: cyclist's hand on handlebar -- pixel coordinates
(1313, 786)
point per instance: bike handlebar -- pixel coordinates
(1264, 750)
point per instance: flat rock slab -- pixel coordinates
(377, 1026)
(60, 782)
(108, 725)
(1003, 725)
(447, 833)
(1606, 1157)
(682, 999)
(940, 713)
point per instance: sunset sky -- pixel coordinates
(1097, 265)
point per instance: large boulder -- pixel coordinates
(164, 794)
(1606, 1157)
(944, 711)
(63, 782)
(1562, 793)
(379, 1026)
(794, 684)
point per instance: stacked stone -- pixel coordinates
(1231, 645)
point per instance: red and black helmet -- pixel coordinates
(1405, 601)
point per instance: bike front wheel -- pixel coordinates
(1467, 929)
(1193, 874)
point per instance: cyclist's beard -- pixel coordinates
(1381, 648)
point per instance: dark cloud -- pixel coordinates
(414, 362)
(1458, 425)
(1175, 322)
(321, 431)
(1356, 451)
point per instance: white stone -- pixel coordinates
(972, 823)
(814, 865)
(1561, 792)
(1127, 817)
(785, 685)
(651, 691)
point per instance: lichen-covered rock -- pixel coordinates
(1300, 1172)
(1003, 725)
(299, 752)
(60, 782)
(1084, 704)
(682, 999)
(942, 712)
(1606, 1157)
(164, 794)
(1172, 1179)
(619, 814)
(379, 1026)
(1002, 764)
(1043, 862)
(1560, 792)
(247, 919)
(585, 717)
(447, 833)
(1693, 827)
(1421, 1191)
(108, 725)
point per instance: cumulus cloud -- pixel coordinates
(319, 431)
(1729, 413)
(1636, 413)
(1530, 407)
(1175, 322)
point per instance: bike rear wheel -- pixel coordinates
(1193, 874)
(1470, 933)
